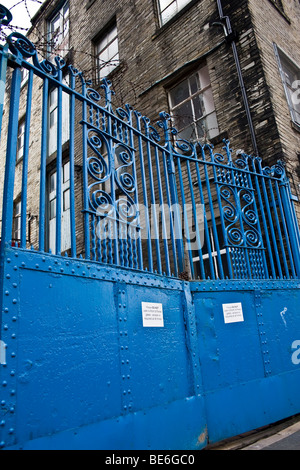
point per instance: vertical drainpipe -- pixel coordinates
(225, 22)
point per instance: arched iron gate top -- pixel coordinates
(151, 201)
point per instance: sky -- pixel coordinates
(22, 10)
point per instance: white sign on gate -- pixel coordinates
(152, 314)
(233, 312)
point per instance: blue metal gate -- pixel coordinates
(145, 218)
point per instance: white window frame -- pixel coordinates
(20, 140)
(193, 122)
(214, 252)
(52, 117)
(17, 222)
(58, 30)
(288, 68)
(169, 8)
(65, 208)
(107, 52)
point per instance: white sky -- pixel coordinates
(20, 13)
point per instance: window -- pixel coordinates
(52, 118)
(107, 53)
(16, 236)
(59, 31)
(169, 8)
(278, 4)
(20, 140)
(25, 74)
(209, 252)
(192, 107)
(290, 75)
(65, 213)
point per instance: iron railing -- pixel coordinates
(135, 195)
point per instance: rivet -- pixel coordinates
(6, 292)
(8, 260)
(6, 310)
(14, 301)
(7, 276)
(2, 444)
(11, 431)
(2, 423)
(15, 284)
(14, 318)
(3, 403)
(4, 383)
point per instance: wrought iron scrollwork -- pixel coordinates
(5, 16)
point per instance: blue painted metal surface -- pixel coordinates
(86, 374)
(81, 371)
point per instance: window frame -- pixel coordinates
(20, 148)
(282, 57)
(101, 45)
(199, 93)
(170, 3)
(212, 253)
(16, 235)
(53, 46)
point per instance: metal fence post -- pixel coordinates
(11, 152)
(292, 224)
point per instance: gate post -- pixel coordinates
(292, 223)
(11, 152)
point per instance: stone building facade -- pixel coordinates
(221, 69)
